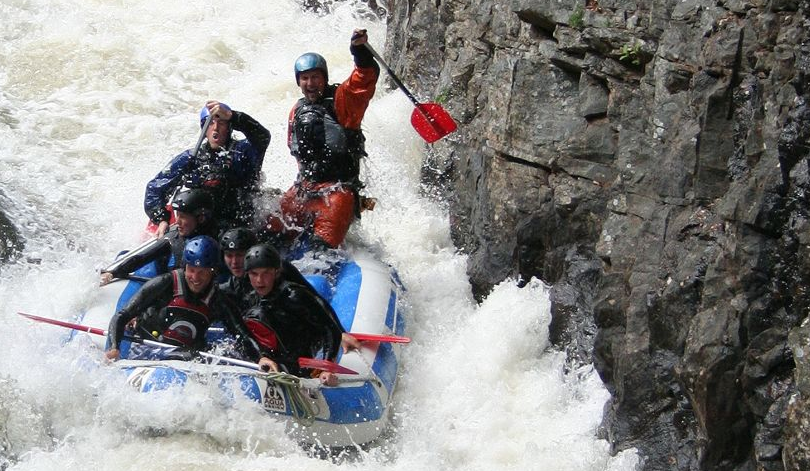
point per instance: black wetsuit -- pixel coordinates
(238, 289)
(166, 252)
(302, 321)
(153, 304)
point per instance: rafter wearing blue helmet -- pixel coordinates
(325, 137)
(179, 306)
(228, 168)
(201, 251)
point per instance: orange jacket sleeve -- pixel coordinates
(353, 95)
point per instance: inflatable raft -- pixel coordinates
(365, 294)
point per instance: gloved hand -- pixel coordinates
(219, 110)
(182, 355)
(359, 36)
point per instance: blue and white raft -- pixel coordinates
(365, 294)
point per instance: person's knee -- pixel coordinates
(331, 231)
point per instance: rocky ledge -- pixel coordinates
(10, 241)
(648, 160)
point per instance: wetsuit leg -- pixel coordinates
(334, 213)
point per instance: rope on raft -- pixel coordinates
(296, 388)
(300, 407)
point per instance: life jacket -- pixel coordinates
(297, 320)
(183, 321)
(255, 320)
(271, 314)
(213, 171)
(326, 151)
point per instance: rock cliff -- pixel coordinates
(649, 160)
(10, 242)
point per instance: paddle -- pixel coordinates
(430, 120)
(136, 258)
(69, 325)
(380, 338)
(358, 336)
(325, 365)
(321, 364)
(151, 227)
(202, 135)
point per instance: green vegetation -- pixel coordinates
(630, 53)
(442, 97)
(576, 18)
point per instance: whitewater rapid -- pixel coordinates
(95, 98)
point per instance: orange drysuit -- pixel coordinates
(324, 198)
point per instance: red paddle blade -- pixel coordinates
(324, 365)
(69, 325)
(432, 122)
(381, 338)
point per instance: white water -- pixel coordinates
(95, 97)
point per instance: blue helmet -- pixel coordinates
(201, 251)
(204, 112)
(311, 61)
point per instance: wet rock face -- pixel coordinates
(651, 164)
(10, 242)
(363, 9)
(796, 450)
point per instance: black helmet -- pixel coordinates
(262, 256)
(196, 202)
(239, 238)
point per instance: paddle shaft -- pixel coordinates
(382, 338)
(324, 364)
(202, 134)
(304, 362)
(151, 343)
(69, 325)
(210, 356)
(393, 76)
